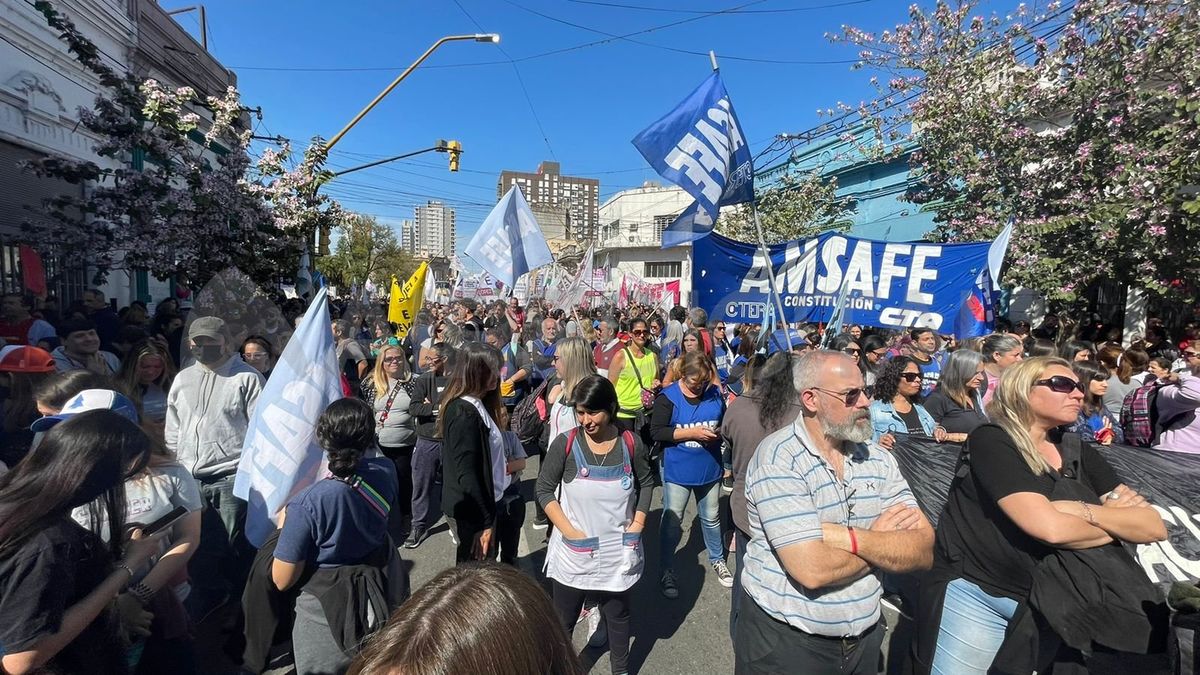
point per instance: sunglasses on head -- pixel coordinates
(1060, 384)
(911, 377)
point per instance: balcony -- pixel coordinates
(626, 239)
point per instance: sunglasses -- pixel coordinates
(911, 377)
(1060, 384)
(638, 331)
(720, 327)
(1191, 354)
(852, 351)
(849, 397)
(393, 359)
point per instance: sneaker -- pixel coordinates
(415, 538)
(727, 484)
(723, 575)
(597, 629)
(670, 589)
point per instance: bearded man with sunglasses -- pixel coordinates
(828, 513)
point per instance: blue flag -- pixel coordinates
(281, 455)
(699, 146)
(509, 243)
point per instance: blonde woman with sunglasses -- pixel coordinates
(1034, 522)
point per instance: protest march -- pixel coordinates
(719, 445)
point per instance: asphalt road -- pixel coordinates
(688, 635)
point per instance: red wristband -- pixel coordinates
(853, 540)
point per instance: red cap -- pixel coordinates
(22, 359)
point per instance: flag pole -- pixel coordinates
(762, 242)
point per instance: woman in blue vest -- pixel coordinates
(686, 417)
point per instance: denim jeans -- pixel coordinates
(222, 560)
(708, 502)
(972, 628)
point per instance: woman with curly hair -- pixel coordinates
(895, 409)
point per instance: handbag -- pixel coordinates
(648, 395)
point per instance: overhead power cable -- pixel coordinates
(783, 10)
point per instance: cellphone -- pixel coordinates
(165, 522)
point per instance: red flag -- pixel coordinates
(33, 275)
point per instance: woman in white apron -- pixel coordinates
(596, 485)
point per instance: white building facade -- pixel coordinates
(630, 237)
(433, 230)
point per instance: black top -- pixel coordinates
(467, 494)
(952, 416)
(974, 534)
(559, 466)
(912, 421)
(427, 387)
(54, 569)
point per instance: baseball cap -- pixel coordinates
(90, 399)
(74, 326)
(779, 339)
(207, 326)
(22, 359)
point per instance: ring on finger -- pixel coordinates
(1113, 495)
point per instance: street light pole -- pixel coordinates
(493, 38)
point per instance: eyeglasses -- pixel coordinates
(911, 377)
(1191, 354)
(256, 356)
(1060, 384)
(849, 397)
(852, 351)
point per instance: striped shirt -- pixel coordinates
(790, 490)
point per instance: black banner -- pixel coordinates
(1170, 481)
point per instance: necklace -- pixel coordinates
(598, 458)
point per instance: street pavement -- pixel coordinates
(688, 635)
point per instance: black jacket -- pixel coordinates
(467, 486)
(425, 388)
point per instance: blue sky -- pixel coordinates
(312, 65)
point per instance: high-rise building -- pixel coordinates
(407, 235)
(548, 189)
(433, 230)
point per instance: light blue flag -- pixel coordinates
(700, 147)
(509, 243)
(281, 455)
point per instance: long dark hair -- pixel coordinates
(842, 341)
(473, 618)
(56, 390)
(474, 373)
(345, 431)
(1070, 348)
(888, 382)
(82, 459)
(776, 380)
(1087, 371)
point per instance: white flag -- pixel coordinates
(509, 243)
(281, 456)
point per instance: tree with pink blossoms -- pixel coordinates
(197, 206)
(1082, 122)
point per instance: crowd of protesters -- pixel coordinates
(120, 532)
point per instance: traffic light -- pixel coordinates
(454, 148)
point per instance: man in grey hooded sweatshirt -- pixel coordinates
(208, 410)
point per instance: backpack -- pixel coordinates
(530, 415)
(1139, 416)
(626, 436)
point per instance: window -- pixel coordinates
(661, 223)
(664, 270)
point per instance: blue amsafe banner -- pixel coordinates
(945, 287)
